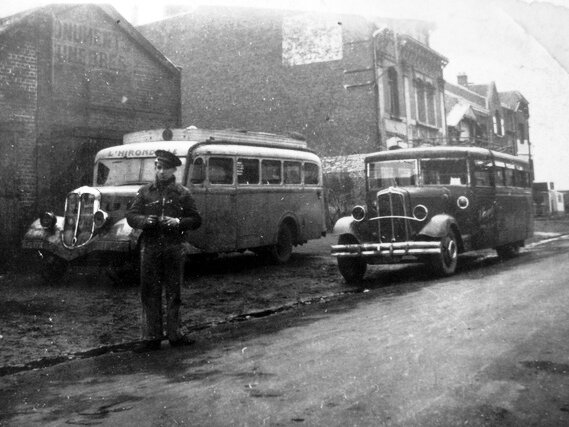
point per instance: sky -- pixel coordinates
(479, 37)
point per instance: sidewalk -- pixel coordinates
(549, 227)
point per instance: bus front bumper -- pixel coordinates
(397, 249)
(79, 252)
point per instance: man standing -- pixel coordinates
(164, 210)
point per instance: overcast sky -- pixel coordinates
(479, 37)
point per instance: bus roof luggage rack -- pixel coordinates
(234, 136)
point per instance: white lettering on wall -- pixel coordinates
(91, 47)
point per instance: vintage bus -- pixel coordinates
(256, 191)
(431, 204)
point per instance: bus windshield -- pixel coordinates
(392, 173)
(406, 172)
(129, 171)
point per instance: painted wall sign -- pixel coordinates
(309, 38)
(88, 46)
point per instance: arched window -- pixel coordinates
(393, 83)
(421, 101)
(430, 98)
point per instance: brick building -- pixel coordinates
(349, 84)
(73, 79)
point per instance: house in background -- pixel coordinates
(547, 200)
(350, 84)
(73, 79)
(479, 115)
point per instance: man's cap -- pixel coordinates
(168, 159)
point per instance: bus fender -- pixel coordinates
(345, 225)
(122, 231)
(291, 220)
(439, 226)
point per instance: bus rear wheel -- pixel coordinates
(508, 251)
(444, 264)
(281, 252)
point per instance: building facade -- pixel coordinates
(480, 115)
(73, 80)
(349, 84)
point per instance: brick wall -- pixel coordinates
(18, 97)
(234, 76)
(72, 81)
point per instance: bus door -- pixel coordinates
(220, 205)
(507, 203)
(484, 203)
(196, 183)
(251, 210)
(214, 192)
(312, 206)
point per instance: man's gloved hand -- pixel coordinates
(151, 221)
(168, 222)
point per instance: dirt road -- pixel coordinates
(487, 347)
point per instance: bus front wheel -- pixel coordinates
(281, 252)
(52, 268)
(444, 264)
(352, 269)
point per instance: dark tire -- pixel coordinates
(508, 251)
(122, 270)
(444, 264)
(281, 252)
(351, 269)
(52, 268)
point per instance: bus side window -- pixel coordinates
(499, 174)
(220, 170)
(310, 174)
(198, 171)
(247, 171)
(522, 178)
(292, 172)
(509, 176)
(271, 171)
(483, 173)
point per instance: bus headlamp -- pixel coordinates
(100, 218)
(359, 213)
(420, 212)
(48, 220)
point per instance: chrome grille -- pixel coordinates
(391, 210)
(78, 226)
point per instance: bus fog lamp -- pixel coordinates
(420, 212)
(48, 220)
(100, 218)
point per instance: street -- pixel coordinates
(485, 347)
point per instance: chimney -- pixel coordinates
(462, 79)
